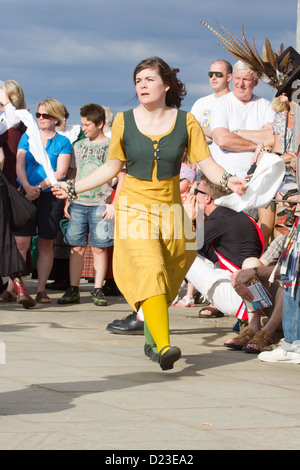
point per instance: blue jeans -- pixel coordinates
(85, 221)
(291, 317)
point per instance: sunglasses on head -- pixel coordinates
(217, 74)
(196, 191)
(43, 115)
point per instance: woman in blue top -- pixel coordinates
(33, 179)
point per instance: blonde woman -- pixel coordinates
(32, 177)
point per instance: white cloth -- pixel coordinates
(9, 118)
(262, 187)
(230, 113)
(35, 143)
(214, 284)
(71, 132)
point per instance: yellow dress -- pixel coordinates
(154, 244)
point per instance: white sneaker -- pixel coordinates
(186, 302)
(279, 355)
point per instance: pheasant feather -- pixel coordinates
(266, 67)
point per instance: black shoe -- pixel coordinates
(166, 360)
(98, 298)
(129, 325)
(72, 296)
(58, 285)
(148, 350)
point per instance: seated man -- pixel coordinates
(230, 237)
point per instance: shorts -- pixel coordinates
(49, 213)
(85, 221)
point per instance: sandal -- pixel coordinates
(42, 298)
(7, 297)
(262, 340)
(214, 313)
(241, 340)
(166, 360)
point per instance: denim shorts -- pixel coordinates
(85, 221)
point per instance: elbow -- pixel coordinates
(220, 137)
(220, 141)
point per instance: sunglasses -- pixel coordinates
(217, 74)
(44, 116)
(196, 191)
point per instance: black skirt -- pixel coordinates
(11, 261)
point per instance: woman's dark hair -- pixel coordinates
(177, 90)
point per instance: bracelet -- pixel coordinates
(71, 190)
(224, 182)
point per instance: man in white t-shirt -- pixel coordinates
(240, 120)
(220, 74)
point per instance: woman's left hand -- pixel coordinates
(59, 190)
(237, 185)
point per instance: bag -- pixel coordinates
(23, 211)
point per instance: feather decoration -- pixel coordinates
(267, 68)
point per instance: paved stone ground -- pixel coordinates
(69, 384)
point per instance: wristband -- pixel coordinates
(72, 196)
(224, 182)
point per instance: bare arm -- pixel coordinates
(32, 192)
(214, 172)
(240, 278)
(264, 135)
(63, 162)
(98, 177)
(232, 142)
(207, 133)
(2, 158)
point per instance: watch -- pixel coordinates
(40, 187)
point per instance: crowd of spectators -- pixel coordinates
(238, 250)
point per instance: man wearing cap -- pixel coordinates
(220, 74)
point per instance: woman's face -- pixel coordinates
(284, 98)
(46, 122)
(150, 88)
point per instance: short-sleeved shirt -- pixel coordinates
(56, 146)
(87, 156)
(230, 113)
(233, 235)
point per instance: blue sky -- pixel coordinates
(85, 51)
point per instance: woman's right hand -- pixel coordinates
(32, 192)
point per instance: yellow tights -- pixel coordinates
(156, 315)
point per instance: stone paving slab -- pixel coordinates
(68, 384)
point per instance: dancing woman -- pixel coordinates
(150, 259)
